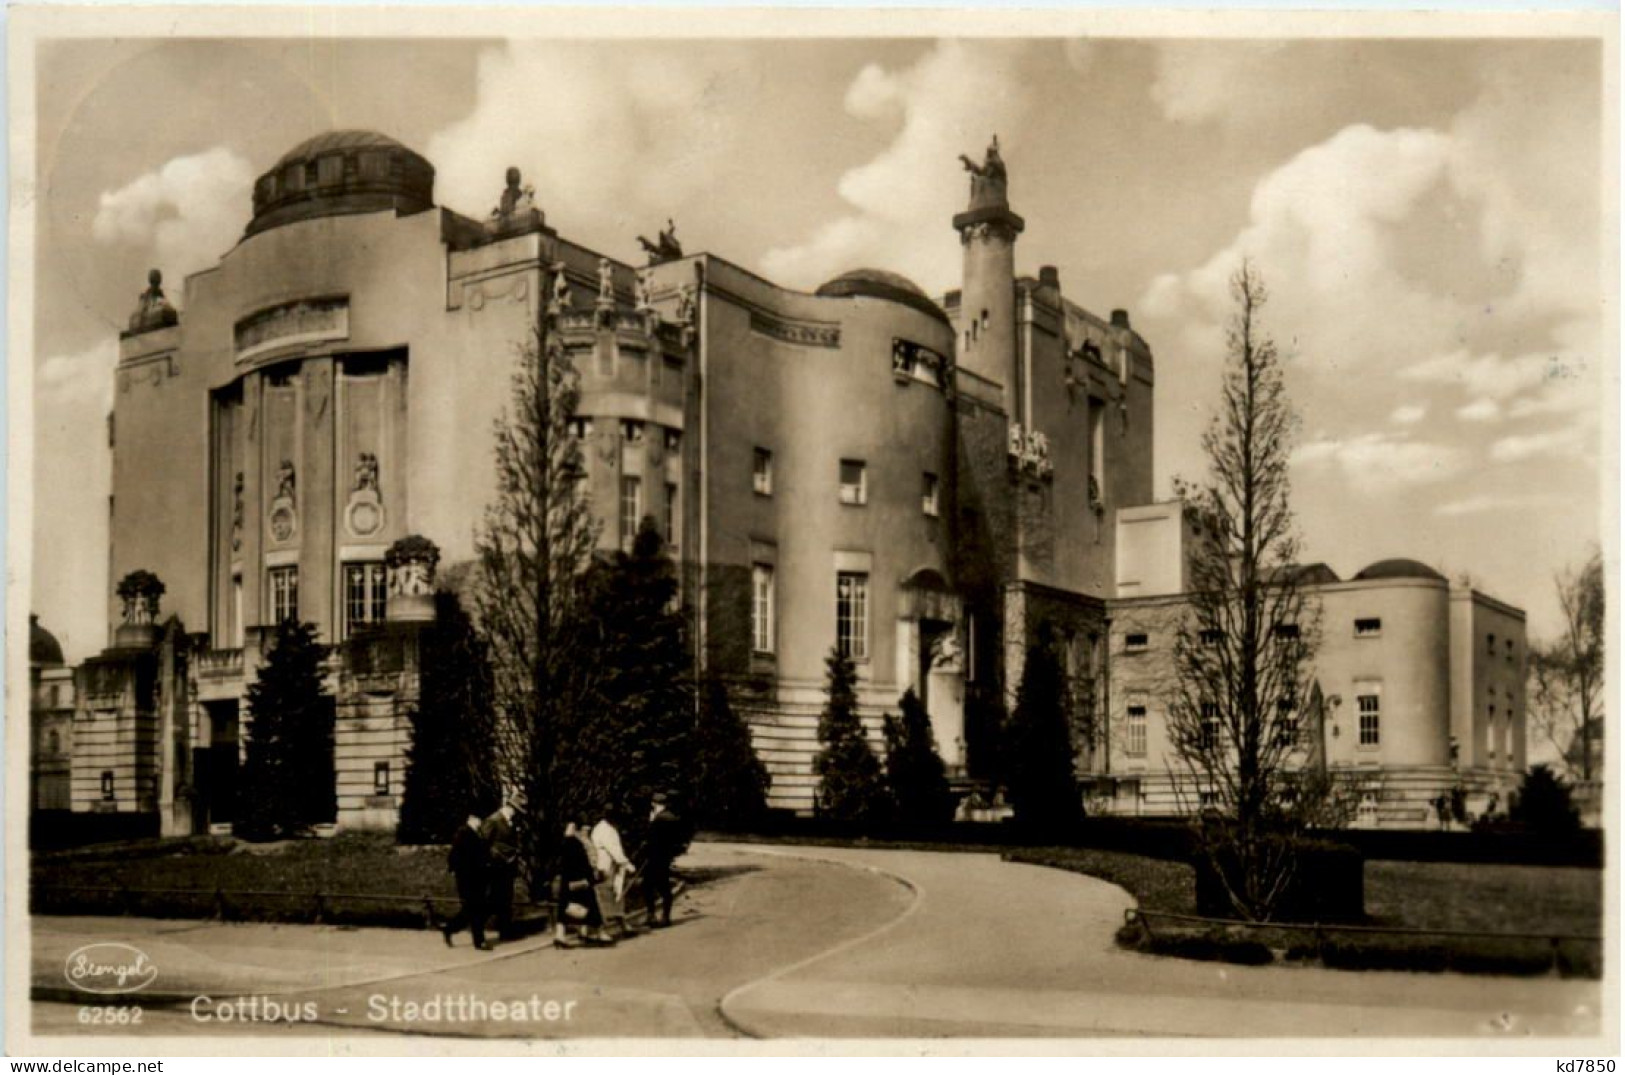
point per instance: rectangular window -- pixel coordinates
(671, 515)
(854, 482)
(1135, 746)
(631, 510)
(631, 431)
(107, 785)
(929, 498)
(380, 778)
(1288, 631)
(761, 472)
(1495, 733)
(1210, 726)
(1511, 652)
(284, 594)
(1489, 644)
(1135, 643)
(1368, 627)
(1210, 800)
(364, 595)
(761, 608)
(1286, 722)
(852, 614)
(674, 441)
(580, 428)
(1211, 636)
(1370, 710)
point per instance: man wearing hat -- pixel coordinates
(502, 848)
(662, 845)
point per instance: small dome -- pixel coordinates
(342, 172)
(880, 284)
(43, 648)
(1400, 569)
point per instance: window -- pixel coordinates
(380, 778)
(284, 594)
(761, 472)
(761, 608)
(107, 785)
(631, 510)
(852, 614)
(1210, 727)
(929, 498)
(1287, 728)
(1494, 733)
(1135, 746)
(580, 428)
(1511, 652)
(1136, 643)
(854, 482)
(671, 514)
(364, 595)
(1370, 710)
(1369, 627)
(1211, 636)
(1210, 800)
(674, 441)
(631, 431)
(1287, 631)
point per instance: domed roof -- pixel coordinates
(329, 141)
(342, 172)
(43, 648)
(880, 284)
(1399, 569)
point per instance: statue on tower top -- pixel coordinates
(992, 166)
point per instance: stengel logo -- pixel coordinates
(110, 967)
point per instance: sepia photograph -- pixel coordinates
(785, 531)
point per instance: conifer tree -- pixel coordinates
(851, 788)
(915, 774)
(450, 763)
(1038, 761)
(730, 780)
(288, 774)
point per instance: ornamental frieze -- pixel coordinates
(801, 333)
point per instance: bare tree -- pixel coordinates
(533, 550)
(1246, 637)
(1566, 676)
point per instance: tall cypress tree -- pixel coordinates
(914, 770)
(451, 767)
(1038, 758)
(730, 780)
(288, 774)
(636, 739)
(851, 789)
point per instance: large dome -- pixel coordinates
(342, 172)
(880, 284)
(1399, 569)
(43, 648)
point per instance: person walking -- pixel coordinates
(576, 887)
(469, 864)
(502, 847)
(660, 847)
(613, 865)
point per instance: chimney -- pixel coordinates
(1049, 276)
(1120, 319)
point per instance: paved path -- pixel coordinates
(997, 947)
(799, 942)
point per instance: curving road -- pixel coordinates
(818, 942)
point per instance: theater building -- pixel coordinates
(922, 481)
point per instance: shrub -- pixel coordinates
(1545, 804)
(1326, 882)
(851, 789)
(1214, 945)
(730, 780)
(1039, 748)
(288, 772)
(914, 771)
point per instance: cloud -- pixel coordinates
(1480, 410)
(1199, 81)
(1408, 414)
(1487, 376)
(1479, 503)
(945, 103)
(1380, 462)
(187, 212)
(77, 383)
(610, 142)
(1556, 443)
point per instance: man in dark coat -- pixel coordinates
(502, 845)
(470, 864)
(578, 878)
(661, 846)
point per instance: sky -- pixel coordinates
(1429, 216)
